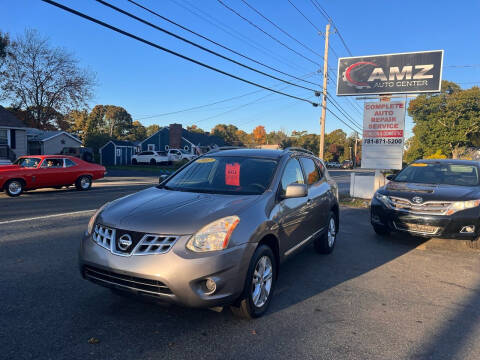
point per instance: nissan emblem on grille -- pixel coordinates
(124, 242)
(417, 200)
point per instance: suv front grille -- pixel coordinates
(113, 279)
(428, 207)
(140, 243)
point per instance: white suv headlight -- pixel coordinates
(215, 236)
(462, 205)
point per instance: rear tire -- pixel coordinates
(326, 242)
(153, 162)
(14, 188)
(381, 230)
(259, 285)
(134, 161)
(83, 183)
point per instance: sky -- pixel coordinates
(150, 83)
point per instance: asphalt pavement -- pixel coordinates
(372, 298)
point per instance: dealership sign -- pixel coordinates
(383, 135)
(416, 72)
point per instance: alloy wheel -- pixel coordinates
(332, 232)
(262, 281)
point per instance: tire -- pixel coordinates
(83, 183)
(325, 243)
(14, 188)
(249, 307)
(134, 161)
(153, 162)
(381, 230)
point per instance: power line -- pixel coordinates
(462, 66)
(306, 18)
(217, 43)
(279, 28)
(329, 19)
(206, 105)
(234, 33)
(111, 27)
(266, 33)
(200, 46)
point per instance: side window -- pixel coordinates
(69, 163)
(151, 147)
(311, 171)
(52, 163)
(291, 175)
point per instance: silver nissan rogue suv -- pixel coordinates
(215, 232)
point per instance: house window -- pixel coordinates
(3, 137)
(167, 147)
(151, 147)
(119, 152)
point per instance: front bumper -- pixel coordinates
(177, 276)
(441, 226)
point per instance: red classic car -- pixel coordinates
(42, 171)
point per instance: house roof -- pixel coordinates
(7, 119)
(202, 139)
(40, 135)
(122, 143)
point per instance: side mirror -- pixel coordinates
(162, 178)
(390, 177)
(295, 191)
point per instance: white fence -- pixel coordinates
(364, 186)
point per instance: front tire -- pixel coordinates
(381, 230)
(259, 285)
(325, 243)
(134, 161)
(83, 183)
(153, 162)
(14, 188)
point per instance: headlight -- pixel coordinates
(91, 223)
(462, 205)
(214, 236)
(383, 198)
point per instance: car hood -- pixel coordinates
(161, 211)
(431, 192)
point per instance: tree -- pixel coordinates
(259, 135)
(227, 132)
(43, 80)
(4, 47)
(138, 132)
(446, 122)
(195, 129)
(112, 120)
(152, 129)
(77, 122)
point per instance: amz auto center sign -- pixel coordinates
(415, 72)
(383, 135)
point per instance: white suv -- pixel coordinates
(151, 157)
(177, 155)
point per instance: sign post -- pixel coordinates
(383, 135)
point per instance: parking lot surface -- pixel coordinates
(372, 298)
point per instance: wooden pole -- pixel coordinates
(324, 97)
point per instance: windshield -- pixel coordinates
(438, 173)
(225, 175)
(27, 162)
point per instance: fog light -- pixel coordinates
(468, 229)
(211, 286)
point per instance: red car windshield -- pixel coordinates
(28, 162)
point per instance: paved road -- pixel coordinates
(372, 298)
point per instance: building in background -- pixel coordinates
(117, 152)
(42, 142)
(13, 137)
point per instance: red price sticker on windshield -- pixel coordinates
(232, 174)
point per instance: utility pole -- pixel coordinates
(324, 97)
(355, 155)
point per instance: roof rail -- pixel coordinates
(222, 148)
(298, 149)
